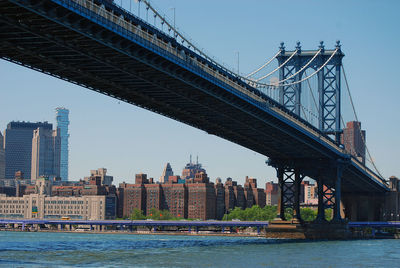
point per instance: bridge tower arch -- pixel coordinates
(327, 64)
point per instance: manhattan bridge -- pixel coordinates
(289, 109)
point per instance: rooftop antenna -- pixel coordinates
(197, 160)
(190, 158)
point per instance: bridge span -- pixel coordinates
(98, 45)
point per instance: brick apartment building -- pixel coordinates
(194, 198)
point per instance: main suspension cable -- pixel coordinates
(264, 65)
(304, 67)
(355, 114)
(276, 69)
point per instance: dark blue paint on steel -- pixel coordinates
(87, 49)
(378, 224)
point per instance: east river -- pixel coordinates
(40, 249)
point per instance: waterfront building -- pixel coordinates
(248, 192)
(258, 195)
(37, 206)
(201, 201)
(2, 158)
(46, 150)
(196, 198)
(141, 178)
(43, 186)
(130, 197)
(175, 199)
(69, 190)
(353, 139)
(272, 193)
(18, 146)
(219, 199)
(99, 177)
(229, 194)
(191, 169)
(62, 118)
(153, 197)
(310, 193)
(240, 199)
(167, 172)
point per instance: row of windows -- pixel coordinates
(12, 201)
(11, 211)
(12, 206)
(64, 212)
(65, 207)
(64, 202)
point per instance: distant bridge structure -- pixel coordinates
(98, 45)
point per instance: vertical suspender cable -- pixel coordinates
(355, 114)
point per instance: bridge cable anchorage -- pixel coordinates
(305, 78)
(355, 114)
(265, 64)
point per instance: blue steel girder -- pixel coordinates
(290, 95)
(328, 196)
(98, 54)
(329, 88)
(289, 180)
(329, 99)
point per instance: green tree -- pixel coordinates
(137, 214)
(308, 214)
(255, 213)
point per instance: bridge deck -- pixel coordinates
(83, 43)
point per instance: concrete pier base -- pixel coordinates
(285, 229)
(327, 230)
(312, 231)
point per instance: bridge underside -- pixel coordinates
(51, 39)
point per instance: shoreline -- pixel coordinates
(200, 233)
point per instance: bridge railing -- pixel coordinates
(119, 23)
(163, 47)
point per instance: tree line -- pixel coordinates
(255, 213)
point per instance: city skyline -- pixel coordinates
(140, 141)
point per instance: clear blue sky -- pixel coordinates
(128, 140)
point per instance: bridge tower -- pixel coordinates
(295, 64)
(327, 173)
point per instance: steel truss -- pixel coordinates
(329, 88)
(289, 180)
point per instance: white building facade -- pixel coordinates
(37, 206)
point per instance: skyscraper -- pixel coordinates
(2, 158)
(62, 123)
(18, 146)
(46, 151)
(166, 173)
(191, 169)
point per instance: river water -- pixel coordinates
(40, 249)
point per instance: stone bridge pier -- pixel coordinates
(374, 206)
(363, 207)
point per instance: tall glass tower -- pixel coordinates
(62, 124)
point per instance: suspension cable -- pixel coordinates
(305, 78)
(302, 68)
(355, 114)
(276, 69)
(312, 93)
(178, 34)
(264, 65)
